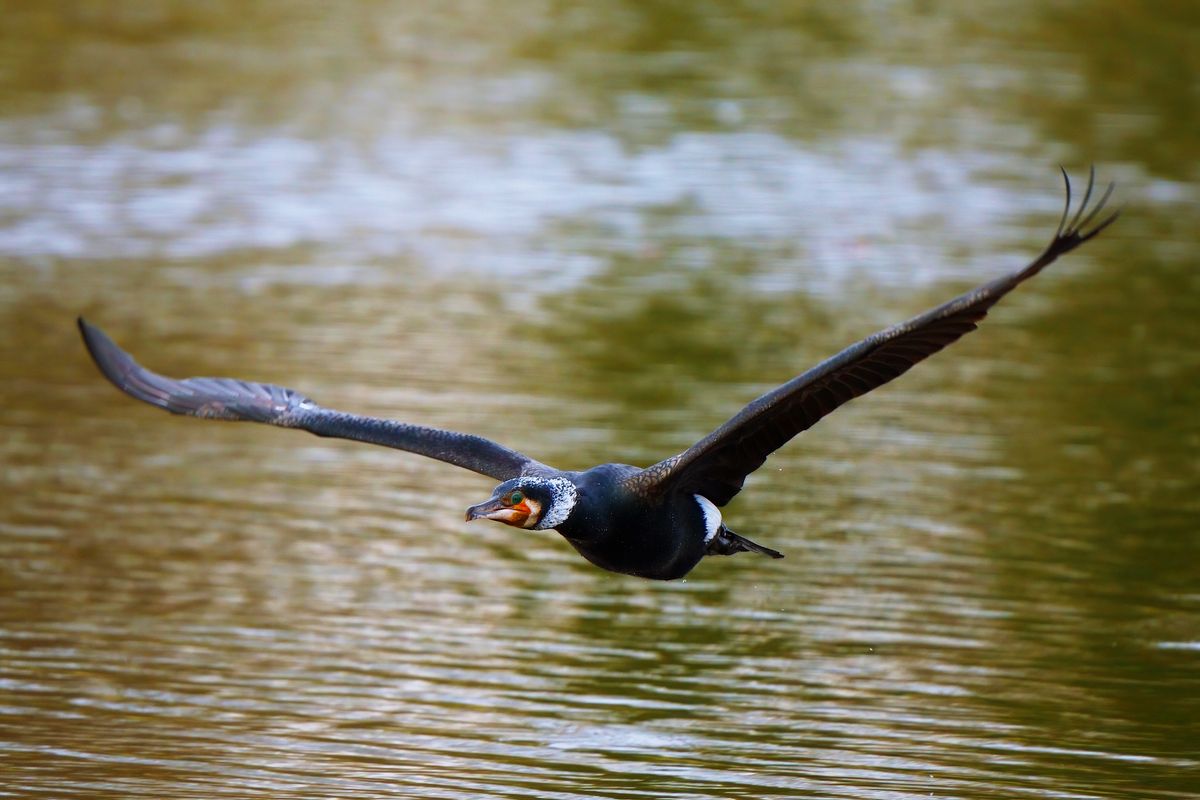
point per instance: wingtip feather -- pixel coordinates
(103, 350)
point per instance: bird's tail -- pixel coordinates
(726, 543)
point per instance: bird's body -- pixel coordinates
(657, 522)
(616, 529)
(609, 525)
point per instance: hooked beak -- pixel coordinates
(517, 515)
(489, 509)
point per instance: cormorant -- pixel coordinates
(656, 522)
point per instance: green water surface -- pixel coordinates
(592, 231)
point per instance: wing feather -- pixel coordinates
(233, 399)
(717, 465)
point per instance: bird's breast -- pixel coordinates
(661, 540)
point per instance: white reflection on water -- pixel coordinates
(497, 203)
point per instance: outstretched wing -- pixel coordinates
(717, 465)
(231, 399)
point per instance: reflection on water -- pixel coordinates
(593, 235)
(470, 202)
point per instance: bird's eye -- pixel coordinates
(515, 498)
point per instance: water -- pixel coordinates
(593, 234)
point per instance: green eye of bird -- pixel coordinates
(515, 498)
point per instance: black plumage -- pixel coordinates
(656, 522)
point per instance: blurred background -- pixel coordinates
(592, 232)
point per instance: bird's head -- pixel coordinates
(529, 502)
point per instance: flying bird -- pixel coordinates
(657, 522)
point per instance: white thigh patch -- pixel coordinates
(712, 517)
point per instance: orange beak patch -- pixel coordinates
(518, 516)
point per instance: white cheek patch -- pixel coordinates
(712, 517)
(535, 513)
